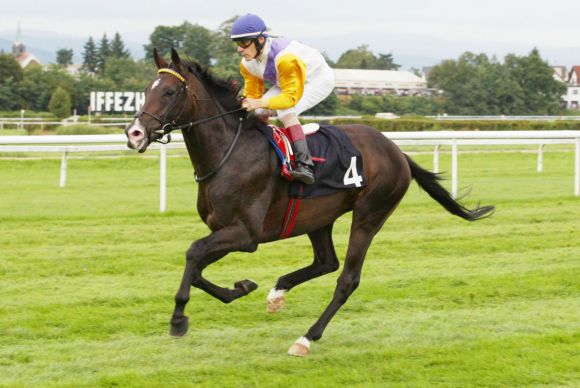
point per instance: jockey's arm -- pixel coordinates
(253, 86)
(291, 79)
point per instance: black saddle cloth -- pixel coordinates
(338, 165)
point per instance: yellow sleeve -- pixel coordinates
(253, 86)
(291, 78)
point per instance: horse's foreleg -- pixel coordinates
(325, 261)
(202, 253)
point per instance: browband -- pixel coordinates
(172, 72)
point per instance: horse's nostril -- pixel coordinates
(136, 133)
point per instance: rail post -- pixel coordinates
(162, 177)
(454, 168)
(436, 159)
(541, 158)
(577, 168)
(63, 164)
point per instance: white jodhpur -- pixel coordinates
(275, 300)
(300, 348)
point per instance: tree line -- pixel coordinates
(473, 84)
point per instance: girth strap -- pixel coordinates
(290, 215)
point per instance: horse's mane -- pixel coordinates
(225, 91)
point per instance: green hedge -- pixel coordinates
(28, 114)
(84, 129)
(456, 125)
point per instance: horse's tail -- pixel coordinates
(428, 181)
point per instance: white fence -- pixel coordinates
(97, 143)
(503, 117)
(19, 122)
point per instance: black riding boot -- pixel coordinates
(303, 171)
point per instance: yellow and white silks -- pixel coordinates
(299, 75)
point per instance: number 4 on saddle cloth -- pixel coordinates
(338, 165)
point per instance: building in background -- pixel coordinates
(560, 73)
(19, 52)
(379, 82)
(572, 97)
(570, 100)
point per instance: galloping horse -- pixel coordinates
(242, 198)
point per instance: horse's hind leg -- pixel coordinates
(367, 221)
(325, 261)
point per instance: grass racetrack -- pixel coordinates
(88, 274)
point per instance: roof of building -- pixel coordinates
(574, 75)
(385, 79)
(25, 59)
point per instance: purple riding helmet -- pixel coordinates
(249, 27)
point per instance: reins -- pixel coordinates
(168, 127)
(226, 156)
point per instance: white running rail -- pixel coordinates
(455, 139)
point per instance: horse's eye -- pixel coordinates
(169, 92)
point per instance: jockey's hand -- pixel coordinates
(253, 103)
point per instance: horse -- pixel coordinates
(242, 198)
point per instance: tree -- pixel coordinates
(11, 76)
(90, 57)
(535, 78)
(477, 85)
(386, 62)
(126, 74)
(60, 104)
(84, 86)
(103, 53)
(192, 39)
(10, 70)
(118, 49)
(38, 86)
(358, 58)
(363, 58)
(64, 57)
(8, 98)
(163, 39)
(225, 57)
(197, 42)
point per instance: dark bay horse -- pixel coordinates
(242, 198)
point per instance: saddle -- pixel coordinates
(283, 148)
(338, 165)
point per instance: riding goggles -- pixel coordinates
(244, 43)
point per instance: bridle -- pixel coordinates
(169, 126)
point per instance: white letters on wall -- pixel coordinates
(116, 101)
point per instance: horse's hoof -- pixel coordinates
(275, 300)
(246, 286)
(300, 348)
(179, 327)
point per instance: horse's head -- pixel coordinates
(166, 101)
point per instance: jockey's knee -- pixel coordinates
(290, 119)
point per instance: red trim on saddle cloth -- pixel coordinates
(290, 216)
(278, 135)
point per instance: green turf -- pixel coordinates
(88, 274)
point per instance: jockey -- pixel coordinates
(300, 79)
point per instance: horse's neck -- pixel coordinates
(208, 142)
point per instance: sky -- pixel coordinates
(425, 30)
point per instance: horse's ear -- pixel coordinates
(159, 61)
(175, 59)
